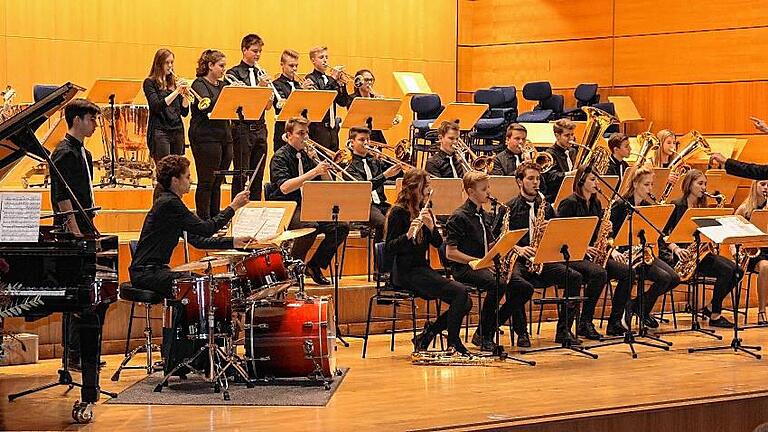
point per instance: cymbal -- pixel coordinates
(230, 253)
(202, 264)
(288, 235)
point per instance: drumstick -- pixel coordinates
(253, 237)
(253, 176)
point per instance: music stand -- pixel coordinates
(111, 92)
(566, 189)
(310, 104)
(686, 232)
(625, 110)
(412, 83)
(721, 230)
(660, 176)
(540, 134)
(492, 258)
(503, 188)
(447, 196)
(240, 103)
(718, 180)
(336, 201)
(563, 241)
(464, 114)
(373, 113)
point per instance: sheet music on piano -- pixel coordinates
(20, 216)
(258, 222)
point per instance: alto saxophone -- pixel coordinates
(687, 267)
(604, 243)
(508, 262)
(536, 235)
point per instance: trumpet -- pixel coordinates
(304, 82)
(415, 228)
(190, 93)
(543, 159)
(262, 75)
(356, 80)
(232, 80)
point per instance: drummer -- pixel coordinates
(166, 222)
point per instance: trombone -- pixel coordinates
(378, 154)
(475, 162)
(319, 153)
(190, 93)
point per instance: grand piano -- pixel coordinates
(59, 272)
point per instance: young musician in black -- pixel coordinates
(584, 202)
(506, 161)
(524, 211)
(285, 84)
(167, 105)
(289, 169)
(167, 221)
(564, 155)
(326, 132)
(659, 272)
(249, 138)
(470, 237)
(76, 166)
(365, 167)
(725, 271)
(618, 144)
(410, 230)
(758, 263)
(445, 163)
(211, 140)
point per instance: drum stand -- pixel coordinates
(219, 359)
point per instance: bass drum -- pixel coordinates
(296, 338)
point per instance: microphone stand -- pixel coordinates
(629, 337)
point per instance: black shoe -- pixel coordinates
(706, 312)
(562, 336)
(459, 347)
(721, 322)
(483, 342)
(588, 330)
(523, 340)
(650, 321)
(314, 271)
(626, 317)
(422, 340)
(615, 329)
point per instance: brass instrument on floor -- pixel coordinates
(474, 162)
(543, 159)
(536, 235)
(590, 152)
(687, 267)
(189, 93)
(451, 358)
(319, 154)
(679, 165)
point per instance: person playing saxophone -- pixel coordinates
(603, 261)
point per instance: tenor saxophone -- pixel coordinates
(536, 235)
(604, 243)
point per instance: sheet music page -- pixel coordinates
(730, 226)
(20, 216)
(259, 222)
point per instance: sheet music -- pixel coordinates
(730, 226)
(259, 222)
(20, 216)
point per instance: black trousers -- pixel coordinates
(594, 277)
(277, 140)
(210, 156)
(249, 144)
(430, 285)
(517, 293)
(85, 330)
(664, 279)
(154, 278)
(166, 142)
(552, 274)
(377, 219)
(727, 274)
(621, 274)
(325, 135)
(327, 248)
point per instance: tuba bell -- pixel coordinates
(543, 159)
(590, 152)
(679, 164)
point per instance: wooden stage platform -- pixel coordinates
(659, 391)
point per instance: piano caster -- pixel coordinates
(82, 412)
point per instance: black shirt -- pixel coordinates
(161, 115)
(202, 128)
(285, 166)
(439, 165)
(284, 86)
(377, 167)
(78, 172)
(747, 170)
(465, 230)
(576, 206)
(553, 178)
(520, 215)
(325, 82)
(165, 224)
(505, 163)
(617, 168)
(242, 72)
(402, 252)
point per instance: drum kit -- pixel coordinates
(285, 334)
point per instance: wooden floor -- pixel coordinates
(386, 392)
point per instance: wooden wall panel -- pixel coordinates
(638, 17)
(564, 64)
(724, 55)
(534, 21)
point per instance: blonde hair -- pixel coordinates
(640, 172)
(754, 201)
(472, 178)
(661, 136)
(316, 50)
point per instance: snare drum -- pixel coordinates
(263, 269)
(292, 339)
(198, 299)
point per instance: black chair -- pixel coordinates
(491, 128)
(387, 294)
(549, 106)
(610, 109)
(147, 299)
(586, 95)
(426, 109)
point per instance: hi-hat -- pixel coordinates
(230, 253)
(202, 264)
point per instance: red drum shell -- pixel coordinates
(195, 297)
